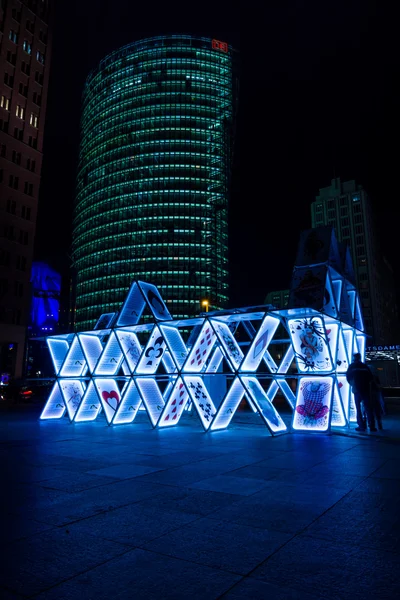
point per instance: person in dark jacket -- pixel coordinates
(360, 377)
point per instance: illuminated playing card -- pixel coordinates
(72, 391)
(201, 399)
(228, 342)
(264, 406)
(109, 395)
(310, 343)
(152, 354)
(175, 404)
(314, 397)
(201, 349)
(55, 406)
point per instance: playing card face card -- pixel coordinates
(175, 344)
(130, 347)
(75, 364)
(154, 301)
(132, 308)
(201, 350)
(90, 406)
(228, 342)
(313, 404)
(129, 405)
(228, 406)
(151, 397)
(72, 391)
(111, 358)
(175, 405)
(58, 351)
(310, 344)
(337, 419)
(260, 344)
(201, 399)
(109, 396)
(153, 353)
(55, 406)
(264, 406)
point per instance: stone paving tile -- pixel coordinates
(7, 595)
(133, 525)
(193, 501)
(142, 575)
(333, 571)
(260, 590)
(124, 471)
(390, 470)
(230, 484)
(361, 519)
(230, 547)
(69, 481)
(289, 509)
(32, 565)
(13, 529)
(80, 505)
(320, 478)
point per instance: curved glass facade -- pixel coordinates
(153, 181)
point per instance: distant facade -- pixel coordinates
(279, 299)
(346, 207)
(157, 132)
(25, 48)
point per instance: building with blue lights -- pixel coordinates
(157, 132)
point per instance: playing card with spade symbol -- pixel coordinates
(201, 399)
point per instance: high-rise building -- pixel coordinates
(153, 183)
(24, 72)
(347, 208)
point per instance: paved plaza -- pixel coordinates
(127, 512)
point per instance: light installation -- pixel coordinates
(211, 363)
(157, 132)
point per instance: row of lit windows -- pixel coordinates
(110, 241)
(115, 195)
(206, 171)
(127, 217)
(156, 123)
(151, 110)
(162, 136)
(161, 99)
(154, 146)
(141, 61)
(185, 88)
(149, 159)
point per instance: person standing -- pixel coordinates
(359, 376)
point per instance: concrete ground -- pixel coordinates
(128, 512)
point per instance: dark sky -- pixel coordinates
(318, 99)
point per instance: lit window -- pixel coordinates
(34, 121)
(40, 57)
(27, 46)
(20, 111)
(356, 198)
(13, 36)
(5, 103)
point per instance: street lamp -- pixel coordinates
(205, 304)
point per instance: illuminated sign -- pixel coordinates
(217, 45)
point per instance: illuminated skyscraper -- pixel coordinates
(154, 173)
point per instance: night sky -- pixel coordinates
(318, 99)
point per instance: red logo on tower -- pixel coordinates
(217, 45)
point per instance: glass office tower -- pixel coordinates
(155, 160)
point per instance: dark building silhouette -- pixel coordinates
(347, 208)
(25, 50)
